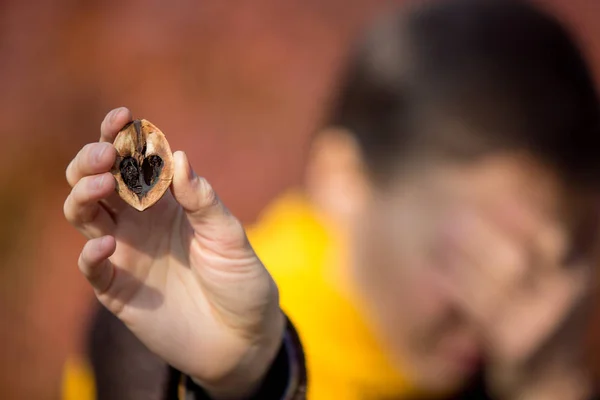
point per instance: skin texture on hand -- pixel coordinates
(181, 275)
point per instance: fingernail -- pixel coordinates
(99, 152)
(99, 181)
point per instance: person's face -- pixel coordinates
(396, 267)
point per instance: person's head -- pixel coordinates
(446, 105)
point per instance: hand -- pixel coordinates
(181, 275)
(508, 273)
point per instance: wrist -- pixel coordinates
(246, 378)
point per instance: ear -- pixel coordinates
(336, 181)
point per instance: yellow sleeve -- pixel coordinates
(77, 380)
(289, 241)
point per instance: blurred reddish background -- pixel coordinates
(238, 85)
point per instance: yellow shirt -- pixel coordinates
(305, 255)
(78, 380)
(306, 258)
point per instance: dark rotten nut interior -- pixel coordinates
(143, 169)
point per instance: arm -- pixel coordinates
(181, 275)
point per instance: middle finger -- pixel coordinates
(92, 159)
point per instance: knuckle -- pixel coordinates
(68, 209)
(81, 192)
(208, 194)
(85, 152)
(69, 174)
(82, 262)
(75, 166)
(73, 217)
(105, 121)
(86, 261)
(235, 236)
(78, 208)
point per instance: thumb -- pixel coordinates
(208, 216)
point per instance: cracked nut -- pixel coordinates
(143, 169)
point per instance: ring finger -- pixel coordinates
(83, 210)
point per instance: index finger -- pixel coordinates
(114, 121)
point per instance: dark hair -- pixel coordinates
(465, 77)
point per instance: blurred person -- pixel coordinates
(465, 187)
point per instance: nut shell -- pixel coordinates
(143, 169)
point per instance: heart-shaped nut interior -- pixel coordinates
(143, 169)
